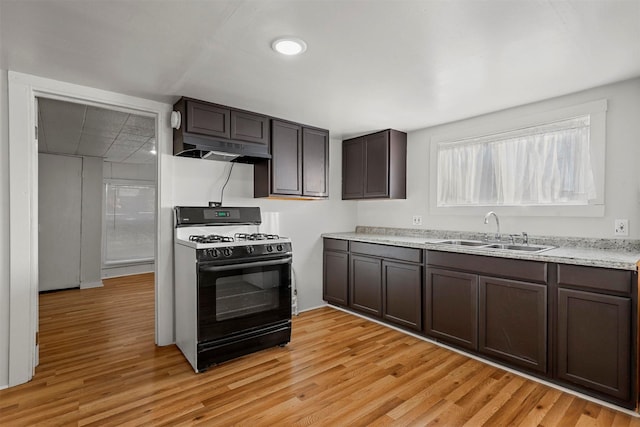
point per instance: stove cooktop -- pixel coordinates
(205, 239)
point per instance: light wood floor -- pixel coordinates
(99, 366)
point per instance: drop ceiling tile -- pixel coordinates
(125, 138)
(89, 139)
(56, 113)
(100, 119)
(140, 125)
(148, 146)
(141, 157)
(98, 150)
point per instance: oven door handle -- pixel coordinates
(227, 267)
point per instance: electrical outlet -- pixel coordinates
(621, 227)
(417, 220)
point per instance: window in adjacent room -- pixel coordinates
(129, 234)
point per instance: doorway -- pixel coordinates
(23, 210)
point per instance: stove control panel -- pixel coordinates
(246, 252)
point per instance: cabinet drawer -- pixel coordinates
(532, 271)
(603, 279)
(386, 251)
(336, 244)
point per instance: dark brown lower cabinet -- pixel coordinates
(365, 284)
(451, 307)
(335, 283)
(594, 341)
(402, 294)
(513, 322)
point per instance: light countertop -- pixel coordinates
(587, 256)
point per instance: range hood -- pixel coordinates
(204, 130)
(201, 147)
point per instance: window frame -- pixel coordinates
(495, 125)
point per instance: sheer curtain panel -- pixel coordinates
(548, 164)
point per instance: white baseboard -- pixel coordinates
(313, 308)
(129, 270)
(89, 285)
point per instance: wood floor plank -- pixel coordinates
(99, 366)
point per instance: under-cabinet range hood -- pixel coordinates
(216, 132)
(212, 149)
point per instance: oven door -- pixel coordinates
(235, 298)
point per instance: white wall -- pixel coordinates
(4, 230)
(91, 238)
(196, 182)
(622, 190)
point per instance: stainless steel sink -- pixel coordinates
(523, 248)
(505, 246)
(464, 242)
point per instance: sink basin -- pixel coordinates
(464, 242)
(523, 248)
(505, 246)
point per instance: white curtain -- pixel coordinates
(129, 233)
(543, 165)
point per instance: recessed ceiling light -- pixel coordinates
(289, 45)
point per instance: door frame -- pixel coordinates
(23, 209)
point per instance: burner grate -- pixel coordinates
(211, 238)
(256, 236)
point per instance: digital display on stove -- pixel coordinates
(216, 214)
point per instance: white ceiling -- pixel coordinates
(369, 65)
(69, 128)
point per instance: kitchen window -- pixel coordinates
(129, 223)
(547, 164)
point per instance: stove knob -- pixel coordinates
(269, 248)
(227, 251)
(250, 249)
(279, 248)
(213, 253)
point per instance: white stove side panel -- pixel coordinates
(186, 303)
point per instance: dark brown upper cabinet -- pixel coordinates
(224, 122)
(216, 132)
(299, 165)
(249, 127)
(374, 166)
(315, 162)
(208, 119)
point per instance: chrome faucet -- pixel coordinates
(486, 221)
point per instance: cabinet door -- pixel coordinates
(335, 283)
(451, 307)
(286, 161)
(402, 294)
(594, 341)
(249, 127)
(366, 284)
(353, 169)
(315, 162)
(376, 165)
(513, 322)
(208, 119)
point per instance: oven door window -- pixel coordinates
(236, 299)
